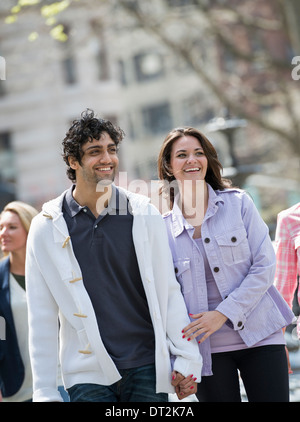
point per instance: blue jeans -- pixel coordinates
(136, 385)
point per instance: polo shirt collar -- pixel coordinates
(118, 201)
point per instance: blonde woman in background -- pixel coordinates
(15, 367)
(15, 370)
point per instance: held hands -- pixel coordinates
(184, 386)
(205, 324)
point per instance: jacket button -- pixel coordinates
(216, 269)
(176, 270)
(233, 239)
(239, 324)
(207, 240)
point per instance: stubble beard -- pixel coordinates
(96, 179)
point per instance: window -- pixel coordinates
(2, 75)
(148, 66)
(101, 50)
(68, 61)
(178, 3)
(2, 89)
(7, 168)
(194, 111)
(157, 118)
(122, 72)
(69, 70)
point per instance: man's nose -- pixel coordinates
(105, 157)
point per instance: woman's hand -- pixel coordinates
(184, 387)
(205, 324)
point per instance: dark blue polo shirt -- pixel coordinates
(105, 251)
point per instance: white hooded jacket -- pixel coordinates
(59, 303)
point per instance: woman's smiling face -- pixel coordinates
(188, 161)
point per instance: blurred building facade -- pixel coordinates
(108, 64)
(124, 75)
(47, 85)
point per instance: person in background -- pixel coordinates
(15, 370)
(98, 259)
(287, 245)
(225, 263)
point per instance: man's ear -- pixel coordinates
(73, 163)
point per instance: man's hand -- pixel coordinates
(184, 387)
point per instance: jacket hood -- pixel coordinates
(139, 203)
(53, 208)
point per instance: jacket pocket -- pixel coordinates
(268, 316)
(77, 354)
(183, 274)
(234, 246)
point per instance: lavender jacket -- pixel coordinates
(242, 259)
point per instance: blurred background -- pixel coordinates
(228, 67)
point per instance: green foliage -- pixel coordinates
(48, 12)
(54, 8)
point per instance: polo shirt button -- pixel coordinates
(216, 269)
(233, 239)
(207, 240)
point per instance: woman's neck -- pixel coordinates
(194, 201)
(17, 262)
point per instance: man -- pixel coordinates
(98, 258)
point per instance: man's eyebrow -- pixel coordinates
(100, 146)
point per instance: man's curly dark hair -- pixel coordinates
(85, 130)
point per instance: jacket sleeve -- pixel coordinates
(43, 323)
(188, 360)
(242, 300)
(286, 266)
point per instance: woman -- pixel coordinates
(225, 263)
(15, 370)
